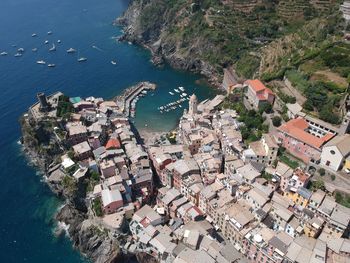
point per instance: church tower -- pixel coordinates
(193, 105)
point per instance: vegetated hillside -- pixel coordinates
(206, 35)
(262, 38)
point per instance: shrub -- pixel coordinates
(319, 184)
(322, 171)
(97, 207)
(333, 177)
(276, 121)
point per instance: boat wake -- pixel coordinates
(97, 48)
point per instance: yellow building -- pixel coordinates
(313, 227)
(346, 166)
(300, 197)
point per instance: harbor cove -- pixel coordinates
(27, 228)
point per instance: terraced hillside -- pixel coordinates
(269, 39)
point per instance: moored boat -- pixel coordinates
(3, 53)
(41, 62)
(71, 50)
(82, 59)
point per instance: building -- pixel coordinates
(296, 180)
(230, 80)
(77, 133)
(257, 94)
(193, 103)
(335, 152)
(82, 150)
(248, 173)
(300, 197)
(294, 110)
(345, 9)
(263, 151)
(303, 139)
(112, 200)
(107, 168)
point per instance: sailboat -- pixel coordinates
(114, 62)
(53, 47)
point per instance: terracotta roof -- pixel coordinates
(113, 144)
(256, 84)
(296, 128)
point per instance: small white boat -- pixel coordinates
(171, 93)
(51, 65)
(59, 41)
(182, 88)
(3, 53)
(18, 55)
(34, 35)
(82, 59)
(49, 33)
(34, 49)
(176, 90)
(129, 43)
(184, 94)
(20, 50)
(114, 62)
(71, 50)
(46, 42)
(180, 106)
(53, 48)
(41, 62)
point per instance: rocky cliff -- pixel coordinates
(89, 238)
(204, 36)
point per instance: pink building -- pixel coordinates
(298, 179)
(303, 140)
(112, 200)
(257, 94)
(107, 168)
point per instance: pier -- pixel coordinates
(131, 95)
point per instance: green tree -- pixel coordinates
(276, 121)
(319, 184)
(321, 171)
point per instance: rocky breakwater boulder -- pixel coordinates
(95, 243)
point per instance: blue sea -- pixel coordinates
(26, 204)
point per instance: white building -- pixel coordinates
(335, 151)
(345, 9)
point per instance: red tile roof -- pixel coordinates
(296, 128)
(256, 84)
(113, 144)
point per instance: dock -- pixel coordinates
(131, 95)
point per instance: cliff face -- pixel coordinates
(204, 36)
(88, 237)
(151, 24)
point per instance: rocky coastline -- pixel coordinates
(162, 50)
(86, 236)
